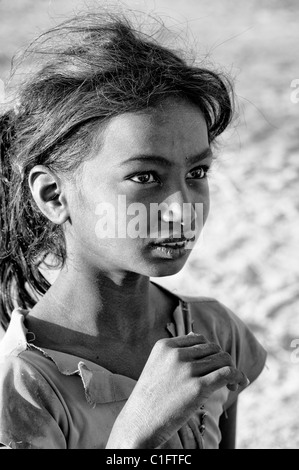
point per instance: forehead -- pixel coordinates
(173, 125)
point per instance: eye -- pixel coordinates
(199, 173)
(144, 178)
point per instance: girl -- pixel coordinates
(104, 357)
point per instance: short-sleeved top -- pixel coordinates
(54, 400)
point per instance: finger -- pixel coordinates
(235, 387)
(199, 351)
(213, 362)
(225, 376)
(187, 340)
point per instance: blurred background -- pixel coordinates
(249, 254)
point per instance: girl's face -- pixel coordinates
(146, 159)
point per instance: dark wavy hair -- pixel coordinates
(92, 67)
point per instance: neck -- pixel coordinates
(120, 307)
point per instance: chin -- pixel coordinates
(165, 268)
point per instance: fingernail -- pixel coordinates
(234, 387)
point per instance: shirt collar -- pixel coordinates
(100, 385)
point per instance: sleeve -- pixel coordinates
(30, 410)
(247, 352)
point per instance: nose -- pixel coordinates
(179, 214)
(177, 209)
(173, 213)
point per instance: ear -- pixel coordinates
(47, 191)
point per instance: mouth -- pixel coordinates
(171, 248)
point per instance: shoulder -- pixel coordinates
(24, 374)
(17, 352)
(29, 406)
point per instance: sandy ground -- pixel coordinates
(249, 254)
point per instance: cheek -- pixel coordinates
(202, 198)
(206, 209)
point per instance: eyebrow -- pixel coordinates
(162, 161)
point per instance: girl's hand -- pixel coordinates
(179, 376)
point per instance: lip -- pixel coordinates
(170, 250)
(172, 240)
(165, 252)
